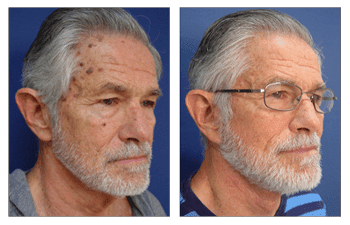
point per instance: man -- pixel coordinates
(258, 99)
(90, 85)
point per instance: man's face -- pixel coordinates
(263, 132)
(107, 117)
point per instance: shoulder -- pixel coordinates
(186, 208)
(148, 204)
(190, 205)
(306, 203)
(20, 198)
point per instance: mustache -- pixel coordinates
(299, 141)
(129, 150)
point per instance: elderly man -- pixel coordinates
(258, 99)
(90, 85)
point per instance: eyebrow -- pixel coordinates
(156, 92)
(122, 89)
(113, 87)
(279, 79)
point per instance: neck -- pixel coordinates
(227, 193)
(57, 192)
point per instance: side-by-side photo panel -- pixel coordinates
(89, 112)
(260, 112)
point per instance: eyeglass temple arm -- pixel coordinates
(329, 98)
(242, 90)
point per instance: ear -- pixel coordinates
(34, 112)
(200, 105)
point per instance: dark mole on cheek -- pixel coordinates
(104, 124)
(91, 45)
(90, 70)
(81, 64)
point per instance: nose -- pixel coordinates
(306, 119)
(137, 124)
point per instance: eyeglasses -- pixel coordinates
(284, 96)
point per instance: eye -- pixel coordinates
(108, 101)
(150, 104)
(277, 94)
(317, 99)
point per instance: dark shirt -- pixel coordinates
(306, 203)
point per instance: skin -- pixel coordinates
(110, 101)
(112, 97)
(279, 58)
(275, 58)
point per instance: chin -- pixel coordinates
(290, 179)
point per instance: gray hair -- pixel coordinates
(50, 62)
(222, 57)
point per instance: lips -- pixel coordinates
(301, 150)
(136, 159)
(129, 160)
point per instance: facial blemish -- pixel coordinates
(81, 64)
(104, 124)
(91, 45)
(99, 38)
(73, 46)
(90, 70)
(100, 69)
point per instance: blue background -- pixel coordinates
(24, 24)
(324, 26)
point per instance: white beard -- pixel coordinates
(93, 172)
(268, 171)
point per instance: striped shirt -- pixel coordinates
(306, 203)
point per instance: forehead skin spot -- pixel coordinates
(63, 98)
(109, 58)
(73, 46)
(90, 70)
(99, 38)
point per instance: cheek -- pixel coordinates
(257, 127)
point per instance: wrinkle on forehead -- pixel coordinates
(109, 57)
(279, 55)
(132, 64)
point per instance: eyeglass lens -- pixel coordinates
(284, 96)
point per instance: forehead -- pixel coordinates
(116, 59)
(281, 57)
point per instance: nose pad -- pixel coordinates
(311, 98)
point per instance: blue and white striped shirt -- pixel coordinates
(307, 203)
